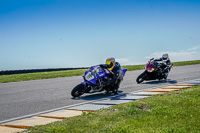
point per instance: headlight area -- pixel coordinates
(150, 70)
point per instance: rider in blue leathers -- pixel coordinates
(115, 69)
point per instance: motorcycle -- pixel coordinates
(95, 80)
(154, 70)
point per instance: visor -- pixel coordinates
(110, 65)
(165, 58)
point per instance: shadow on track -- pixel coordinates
(161, 82)
(95, 96)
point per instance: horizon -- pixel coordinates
(82, 67)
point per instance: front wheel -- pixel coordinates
(141, 77)
(76, 91)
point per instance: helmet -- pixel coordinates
(165, 56)
(110, 63)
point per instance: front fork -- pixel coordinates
(84, 89)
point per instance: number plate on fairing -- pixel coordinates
(89, 76)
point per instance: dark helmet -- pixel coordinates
(165, 57)
(110, 62)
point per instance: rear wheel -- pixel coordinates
(76, 91)
(141, 78)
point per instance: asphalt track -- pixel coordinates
(24, 98)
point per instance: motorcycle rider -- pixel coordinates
(115, 70)
(164, 63)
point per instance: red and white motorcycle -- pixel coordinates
(154, 70)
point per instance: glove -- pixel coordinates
(103, 65)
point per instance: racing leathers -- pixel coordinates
(113, 81)
(164, 65)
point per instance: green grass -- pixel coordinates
(134, 67)
(40, 75)
(173, 112)
(69, 73)
(183, 63)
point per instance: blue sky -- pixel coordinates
(38, 34)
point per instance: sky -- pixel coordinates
(37, 34)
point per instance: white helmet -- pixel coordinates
(165, 57)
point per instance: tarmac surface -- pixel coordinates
(18, 99)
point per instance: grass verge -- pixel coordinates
(69, 73)
(40, 75)
(177, 111)
(183, 63)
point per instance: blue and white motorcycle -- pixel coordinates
(96, 80)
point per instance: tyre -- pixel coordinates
(76, 91)
(141, 78)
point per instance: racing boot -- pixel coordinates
(92, 90)
(166, 72)
(116, 87)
